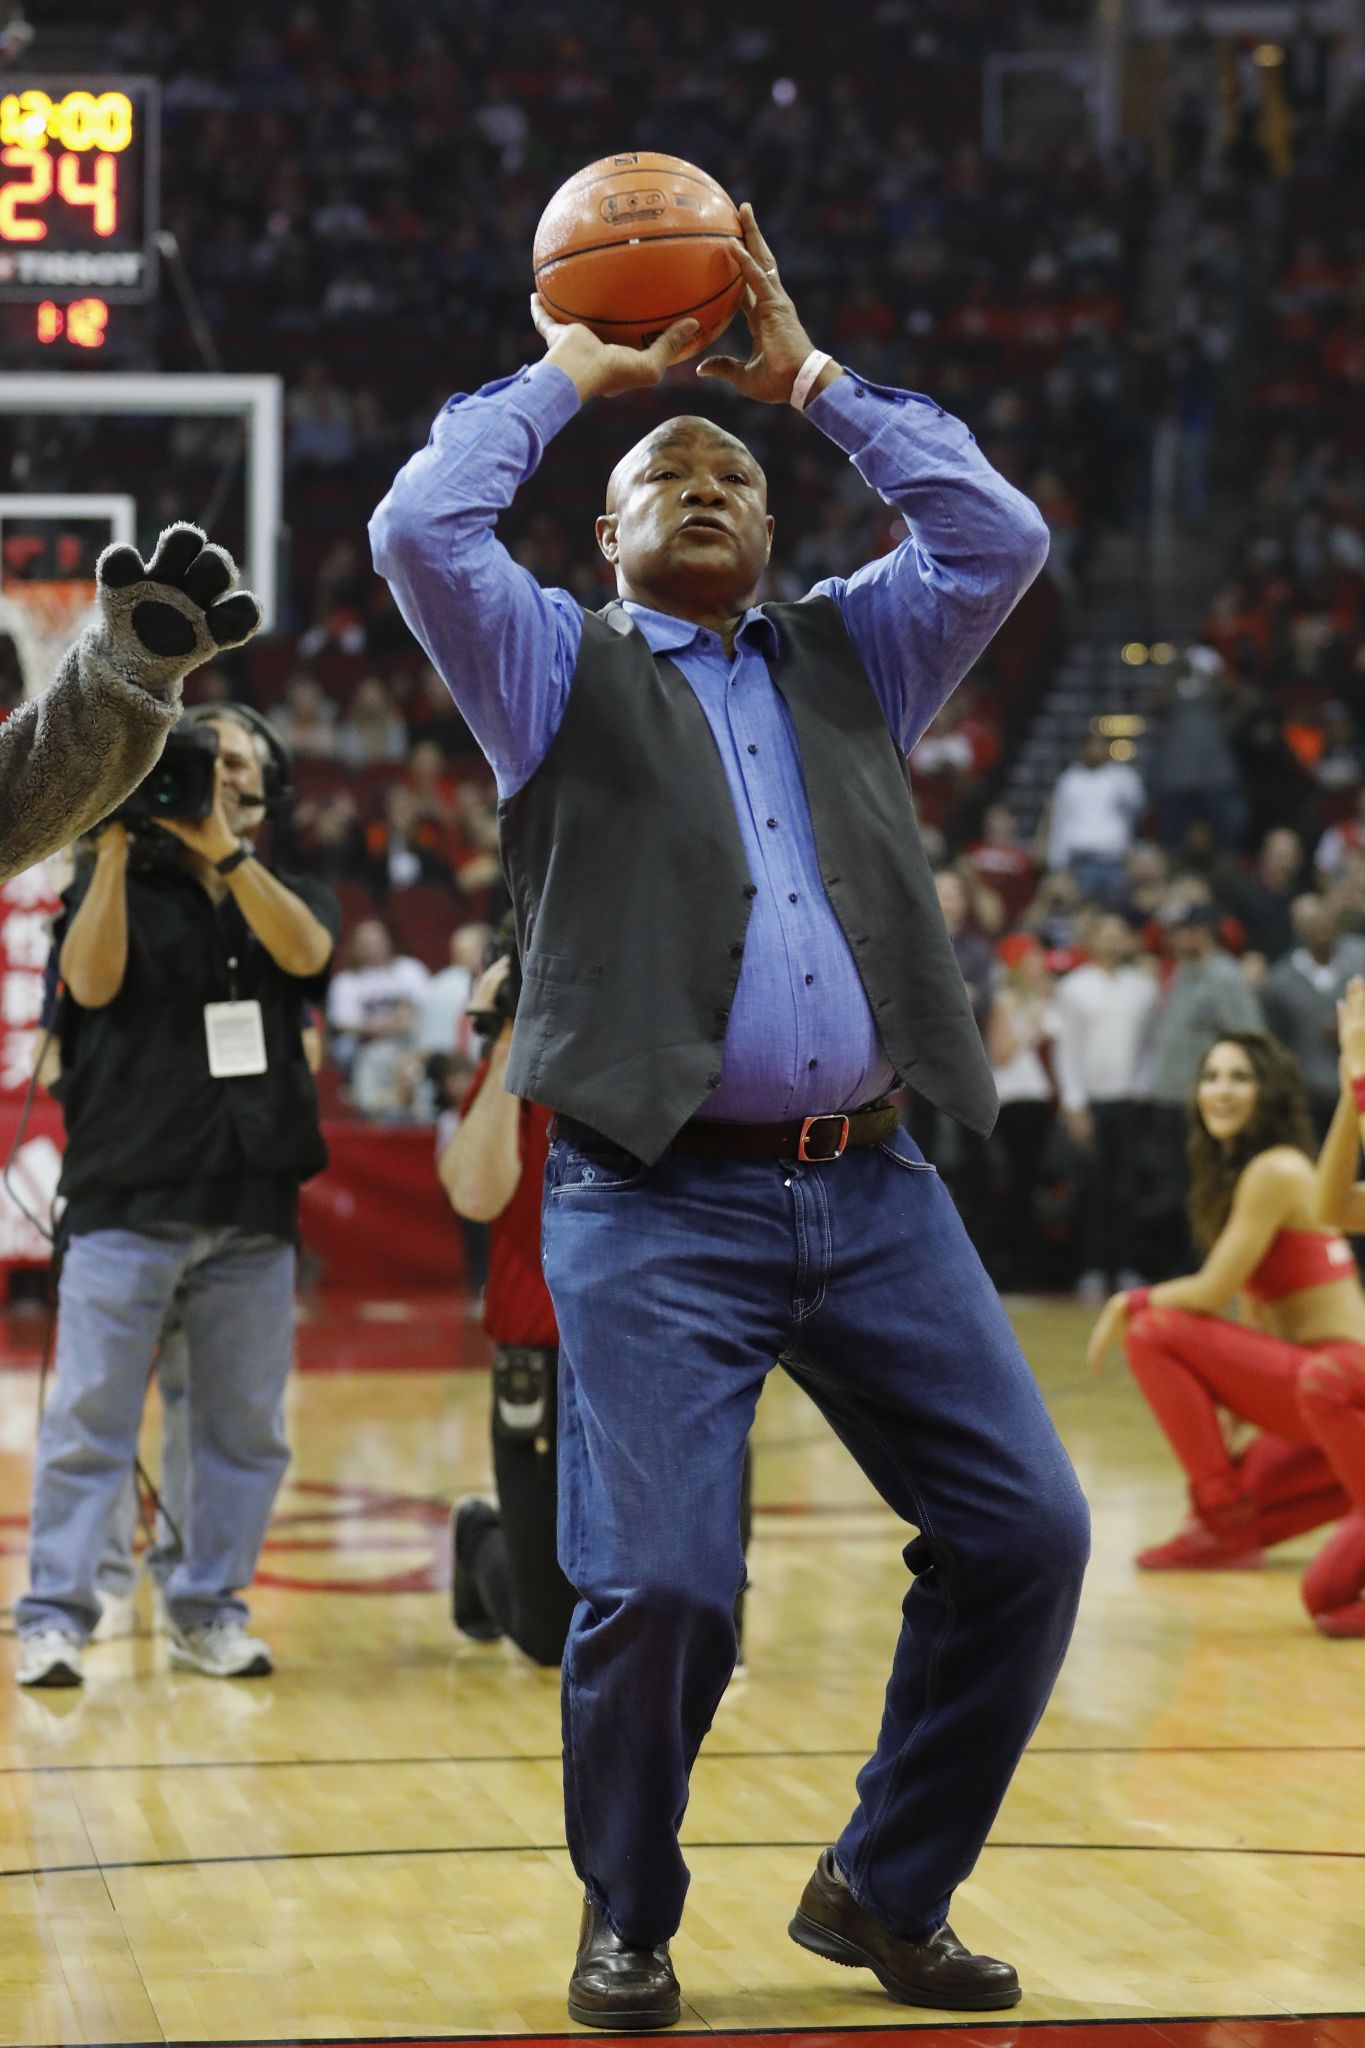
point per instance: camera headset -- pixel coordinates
(277, 770)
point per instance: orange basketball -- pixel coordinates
(633, 243)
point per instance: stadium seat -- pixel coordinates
(421, 918)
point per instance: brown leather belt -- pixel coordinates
(813, 1139)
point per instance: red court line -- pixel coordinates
(1319, 2030)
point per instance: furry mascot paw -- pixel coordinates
(160, 619)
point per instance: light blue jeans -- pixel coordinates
(237, 1294)
(117, 1574)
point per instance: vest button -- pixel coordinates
(722, 1016)
(713, 1080)
(737, 950)
(751, 891)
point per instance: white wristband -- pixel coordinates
(806, 376)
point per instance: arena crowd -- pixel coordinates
(355, 209)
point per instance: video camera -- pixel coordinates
(181, 784)
(502, 946)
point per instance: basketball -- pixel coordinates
(634, 242)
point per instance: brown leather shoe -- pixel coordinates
(939, 1972)
(616, 1986)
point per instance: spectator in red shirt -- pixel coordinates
(507, 1579)
(1004, 863)
(507, 1576)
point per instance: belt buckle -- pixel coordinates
(820, 1158)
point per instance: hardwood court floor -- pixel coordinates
(369, 1845)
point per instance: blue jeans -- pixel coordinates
(237, 1295)
(1099, 877)
(675, 1287)
(117, 1574)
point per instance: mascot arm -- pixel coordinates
(70, 756)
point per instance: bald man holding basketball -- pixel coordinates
(732, 956)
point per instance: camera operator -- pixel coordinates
(507, 1579)
(191, 1120)
(69, 756)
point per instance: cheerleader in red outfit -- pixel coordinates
(1269, 1223)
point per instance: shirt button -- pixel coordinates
(752, 748)
(791, 896)
(809, 979)
(771, 823)
(812, 1063)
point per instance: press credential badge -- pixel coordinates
(236, 1039)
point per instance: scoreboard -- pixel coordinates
(78, 194)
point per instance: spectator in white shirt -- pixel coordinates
(441, 1023)
(1096, 805)
(1104, 1016)
(375, 996)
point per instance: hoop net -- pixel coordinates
(43, 619)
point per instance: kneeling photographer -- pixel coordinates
(507, 1579)
(507, 1576)
(191, 1120)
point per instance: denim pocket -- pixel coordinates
(607, 1170)
(888, 1151)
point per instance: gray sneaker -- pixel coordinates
(220, 1649)
(50, 1657)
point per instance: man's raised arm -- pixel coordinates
(918, 617)
(504, 647)
(921, 615)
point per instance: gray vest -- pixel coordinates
(631, 890)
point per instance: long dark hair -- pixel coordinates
(1280, 1117)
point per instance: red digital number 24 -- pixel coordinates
(99, 192)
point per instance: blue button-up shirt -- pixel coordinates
(800, 1037)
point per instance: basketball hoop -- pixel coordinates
(43, 618)
(50, 542)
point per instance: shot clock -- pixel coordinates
(78, 190)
